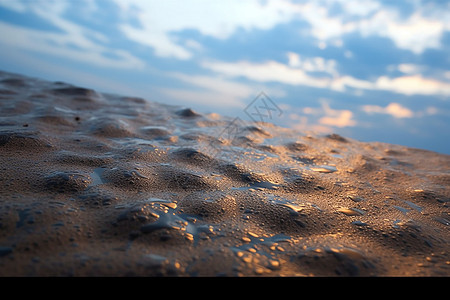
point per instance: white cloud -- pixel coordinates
(323, 119)
(360, 8)
(214, 91)
(447, 75)
(410, 68)
(216, 84)
(67, 45)
(296, 73)
(323, 27)
(210, 92)
(413, 85)
(341, 83)
(270, 71)
(431, 111)
(160, 20)
(394, 109)
(219, 19)
(73, 41)
(337, 118)
(417, 33)
(312, 64)
(206, 98)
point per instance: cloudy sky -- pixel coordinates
(373, 70)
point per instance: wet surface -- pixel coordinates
(104, 185)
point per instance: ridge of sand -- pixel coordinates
(96, 184)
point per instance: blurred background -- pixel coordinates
(372, 70)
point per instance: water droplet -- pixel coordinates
(324, 169)
(164, 202)
(296, 208)
(398, 223)
(189, 236)
(351, 211)
(274, 264)
(166, 220)
(252, 234)
(359, 223)
(349, 253)
(258, 185)
(355, 198)
(155, 258)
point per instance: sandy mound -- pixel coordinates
(105, 185)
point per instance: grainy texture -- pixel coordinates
(103, 185)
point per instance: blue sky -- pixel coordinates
(369, 70)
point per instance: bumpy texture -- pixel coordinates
(103, 185)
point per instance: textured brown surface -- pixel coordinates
(104, 185)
